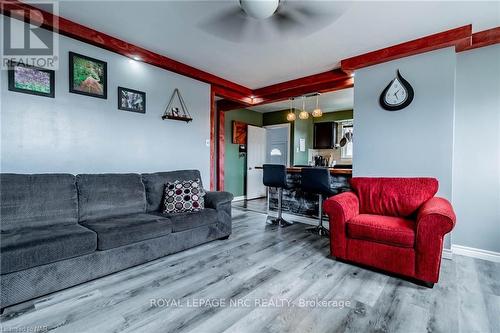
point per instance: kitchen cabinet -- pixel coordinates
(325, 135)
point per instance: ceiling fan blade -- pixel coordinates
(285, 21)
(229, 24)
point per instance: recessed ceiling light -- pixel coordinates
(136, 58)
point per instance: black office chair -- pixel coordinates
(275, 176)
(317, 181)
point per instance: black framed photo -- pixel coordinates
(87, 76)
(31, 80)
(131, 100)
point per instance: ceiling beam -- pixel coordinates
(321, 87)
(483, 38)
(303, 82)
(27, 13)
(455, 37)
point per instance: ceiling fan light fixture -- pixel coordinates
(259, 9)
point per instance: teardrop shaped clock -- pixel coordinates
(397, 95)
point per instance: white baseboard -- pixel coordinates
(241, 198)
(475, 253)
(447, 254)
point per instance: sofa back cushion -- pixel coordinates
(393, 196)
(155, 185)
(106, 195)
(37, 200)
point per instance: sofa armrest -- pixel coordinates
(340, 209)
(435, 218)
(215, 199)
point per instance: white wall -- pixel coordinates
(476, 182)
(77, 134)
(418, 140)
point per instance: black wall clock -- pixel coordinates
(397, 95)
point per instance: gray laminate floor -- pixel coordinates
(265, 279)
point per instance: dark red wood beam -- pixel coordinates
(232, 95)
(322, 87)
(88, 35)
(303, 82)
(482, 38)
(454, 37)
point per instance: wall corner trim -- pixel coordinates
(475, 253)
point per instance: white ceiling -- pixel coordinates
(178, 30)
(328, 102)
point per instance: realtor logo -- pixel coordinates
(24, 39)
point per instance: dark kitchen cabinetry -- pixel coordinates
(325, 135)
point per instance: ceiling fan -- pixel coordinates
(266, 20)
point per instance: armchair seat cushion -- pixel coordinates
(127, 229)
(35, 246)
(388, 230)
(190, 220)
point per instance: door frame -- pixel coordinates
(285, 125)
(245, 177)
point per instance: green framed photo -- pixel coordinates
(87, 76)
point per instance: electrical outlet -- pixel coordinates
(207, 142)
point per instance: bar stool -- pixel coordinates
(275, 176)
(317, 181)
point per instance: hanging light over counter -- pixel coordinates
(303, 113)
(317, 111)
(291, 114)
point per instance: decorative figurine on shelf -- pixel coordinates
(176, 113)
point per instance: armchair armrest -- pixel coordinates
(437, 214)
(435, 218)
(215, 199)
(340, 209)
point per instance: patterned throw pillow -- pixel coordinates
(184, 196)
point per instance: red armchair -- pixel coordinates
(393, 224)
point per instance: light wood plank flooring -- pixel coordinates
(271, 280)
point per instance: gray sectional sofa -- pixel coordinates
(59, 230)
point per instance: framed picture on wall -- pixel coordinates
(131, 100)
(87, 76)
(31, 80)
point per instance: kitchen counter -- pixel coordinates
(299, 203)
(333, 171)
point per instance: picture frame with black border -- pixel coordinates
(100, 66)
(12, 86)
(123, 105)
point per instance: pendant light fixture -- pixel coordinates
(303, 113)
(291, 115)
(317, 111)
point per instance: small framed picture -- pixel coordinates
(87, 76)
(31, 80)
(131, 100)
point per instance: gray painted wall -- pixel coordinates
(76, 134)
(476, 170)
(416, 141)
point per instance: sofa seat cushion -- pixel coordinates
(30, 247)
(190, 220)
(389, 230)
(127, 229)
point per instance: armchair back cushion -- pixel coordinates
(155, 185)
(37, 200)
(400, 197)
(106, 195)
